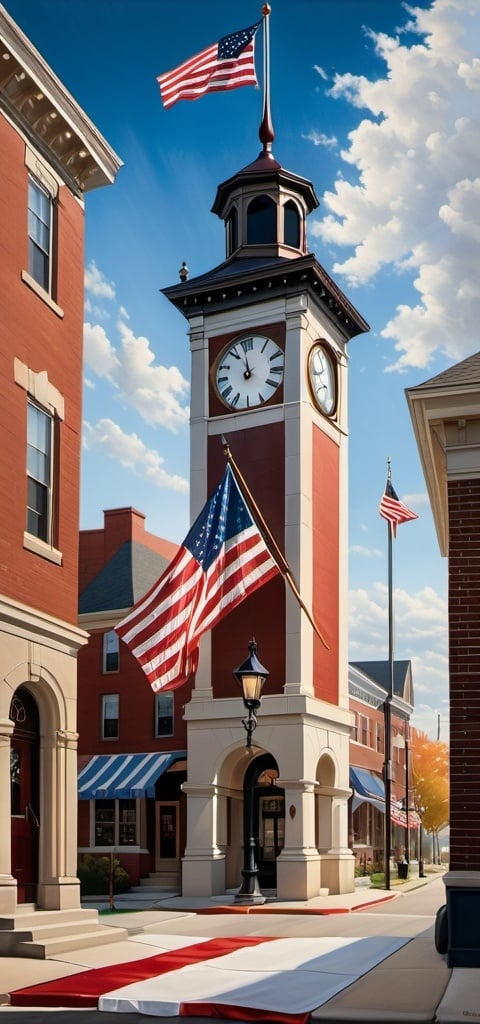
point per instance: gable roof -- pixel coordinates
(379, 671)
(123, 580)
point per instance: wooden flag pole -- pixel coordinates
(269, 538)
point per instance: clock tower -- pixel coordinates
(268, 334)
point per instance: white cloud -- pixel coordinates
(359, 549)
(156, 392)
(97, 284)
(421, 636)
(131, 452)
(412, 200)
(320, 71)
(320, 139)
(98, 352)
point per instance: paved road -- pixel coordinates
(411, 914)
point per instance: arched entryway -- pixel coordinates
(24, 794)
(268, 816)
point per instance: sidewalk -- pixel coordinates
(412, 984)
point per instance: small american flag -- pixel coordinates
(223, 559)
(392, 509)
(227, 64)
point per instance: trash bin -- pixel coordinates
(402, 870)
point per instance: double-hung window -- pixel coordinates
(40, 437)
(40, 224)
(111, 651)
(164, 714)
(110, 709)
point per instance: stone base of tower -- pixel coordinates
(203, 876)
(337, 872)
(304, 875)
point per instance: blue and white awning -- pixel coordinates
(367, 788)
(124, 776)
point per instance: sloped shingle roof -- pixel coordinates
(123, 580)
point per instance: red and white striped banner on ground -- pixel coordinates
(243, 978)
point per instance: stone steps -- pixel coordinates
(39, 934)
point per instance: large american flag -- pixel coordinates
(223, 559)
(227, 64)
(392, 509)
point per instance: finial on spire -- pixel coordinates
(266, 132)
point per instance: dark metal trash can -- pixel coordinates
(402, 870)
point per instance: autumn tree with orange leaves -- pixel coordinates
(430, 781)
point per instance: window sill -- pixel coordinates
(38, 547)
(42, 294)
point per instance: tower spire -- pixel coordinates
(266, 132)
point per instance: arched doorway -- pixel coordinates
(268, 816)
(24, 794)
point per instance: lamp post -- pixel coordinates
(250, 676)
(420, 811)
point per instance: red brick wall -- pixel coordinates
(464, 642)
(137, 703)
(32, 332)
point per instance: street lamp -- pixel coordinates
(420, 812)
(250, 676)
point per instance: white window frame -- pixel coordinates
(112, 699)
(111, 645)
(47, 483)
(116, 828)
(33, 242)
(159, 697)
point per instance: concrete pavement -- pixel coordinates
(410, 985)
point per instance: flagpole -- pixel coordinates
(266, 132)
(269, 538)
(388, 704)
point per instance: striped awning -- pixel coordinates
(124, 776)
(370, 789)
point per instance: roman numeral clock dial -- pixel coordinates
(249, 372)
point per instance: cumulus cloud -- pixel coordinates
(157, 393)
(96, 282)
(421, 636)
(412, 201)
(131, 452)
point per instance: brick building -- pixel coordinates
(51, 156)
(133, 743)
(445, 412)
(133, 803)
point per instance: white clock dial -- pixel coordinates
(249, 372)
(322, 376)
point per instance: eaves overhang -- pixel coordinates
(432, 407)
(239, 282)
(38, 103)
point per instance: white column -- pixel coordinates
(8, 884)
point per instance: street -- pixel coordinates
(410, 914)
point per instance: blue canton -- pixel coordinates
(231, 46)
(223, 517)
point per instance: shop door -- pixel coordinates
(271, 834)
(24, 789)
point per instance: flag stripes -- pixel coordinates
(228, 64)
(223, 559)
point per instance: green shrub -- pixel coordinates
(94, 875)
(377, 879)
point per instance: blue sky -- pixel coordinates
(377, 104)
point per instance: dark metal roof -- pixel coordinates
(123, 580)
(379, 672)
(240, 281)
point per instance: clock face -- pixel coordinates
(249, 372)
(322, 376)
